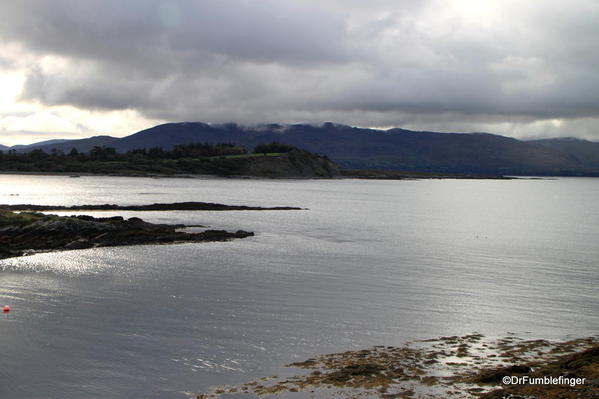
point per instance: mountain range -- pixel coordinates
(361, 148)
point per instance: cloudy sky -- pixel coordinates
(75, 68)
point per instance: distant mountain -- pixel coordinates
(3, 148)
(38, 144)
(171, 134)
(585, 151)
(82, 145)
(394, 149)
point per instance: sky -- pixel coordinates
(77, 68)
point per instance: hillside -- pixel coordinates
(585, 151)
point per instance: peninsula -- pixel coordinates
(224, 159)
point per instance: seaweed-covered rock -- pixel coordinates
(31, 232)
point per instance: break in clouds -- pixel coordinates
(525, 69)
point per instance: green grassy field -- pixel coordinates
(23, 218)
(270, 154)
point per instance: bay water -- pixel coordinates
(366, 262)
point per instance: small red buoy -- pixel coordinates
(6, 309)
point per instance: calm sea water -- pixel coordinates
(369, 262)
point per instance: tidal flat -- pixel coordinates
(461, 367)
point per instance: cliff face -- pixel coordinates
(296, 163)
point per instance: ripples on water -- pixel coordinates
(370, 262)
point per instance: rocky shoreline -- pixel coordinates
(455, 367)
(29, 232)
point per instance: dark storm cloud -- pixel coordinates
(156, 30)
(381, 63)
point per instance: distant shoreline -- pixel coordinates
(368, 175)
(163, 176)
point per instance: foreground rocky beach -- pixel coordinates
(464, 367)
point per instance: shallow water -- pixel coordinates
(369, 262)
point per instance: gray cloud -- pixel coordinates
(383, 63)
(175, 32)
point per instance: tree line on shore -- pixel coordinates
(194, 158)
(202, 158)
(192, 150)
